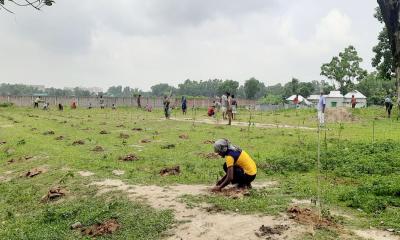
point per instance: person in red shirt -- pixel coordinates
(353, 102)
(211, 110)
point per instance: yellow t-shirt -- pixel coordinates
(244, 161)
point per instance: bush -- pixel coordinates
(6, 104)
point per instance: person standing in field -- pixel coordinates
(234, 107)
(184, 105)
(224, 105)
(102, 106)
(239, 167)
(36, 102)
(229, 108)
(353, 102)
(166, 104)
(388, 105)
(138, 100)
(321, 109)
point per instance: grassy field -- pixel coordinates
(359, 174)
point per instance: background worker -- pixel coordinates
(321, 109)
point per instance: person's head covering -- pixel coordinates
(221, 146)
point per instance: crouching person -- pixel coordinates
(239, 167)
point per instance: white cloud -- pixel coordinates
(141, 43)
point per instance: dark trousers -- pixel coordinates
(36, 105)
(240, 177)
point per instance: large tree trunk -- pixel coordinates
(390, 10)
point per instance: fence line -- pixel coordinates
(26, 101)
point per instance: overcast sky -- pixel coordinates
(139, 43)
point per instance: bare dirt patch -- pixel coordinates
(24, 158)
(78, 142)
(85, 173)
(195, 222)
(121, 126)
(129, 158)
(376, 234)
(118, 172)
(103, 132)
(54, 194)
(145, 141)
(209, 142)
(170, 171)
(137, 129)
(99, 229)
(2, 142)
(98, 149)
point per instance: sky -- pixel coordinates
(140, 43)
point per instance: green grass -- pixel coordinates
(360, 167)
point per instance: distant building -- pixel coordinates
(302, 100)
(336, 99)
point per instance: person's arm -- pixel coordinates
(228, 179)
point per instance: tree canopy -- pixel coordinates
(344, 69)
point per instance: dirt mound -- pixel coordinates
(34, 172)
(78, 142)
(121, 126)
(129, 158)
(100, 229)
(184, 136)
(168, 146)
(170, 171)
(209, 142)
(137, 129)
(339, 115)
(2, 142)
(266, 231)
(59, 138)
(310, 217)
(54, 194)
(104, 132)
(145, 141)
(124, 136)
(50, 132)
(98, 149)
(211, 155)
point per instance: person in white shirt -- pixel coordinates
(321, 109)
(224, 105)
